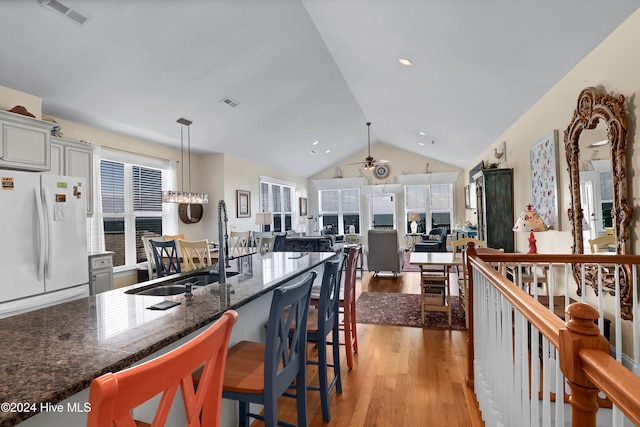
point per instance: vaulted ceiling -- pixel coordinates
(301, 70)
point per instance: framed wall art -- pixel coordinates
(303, 206)
(243, 204)
(543, 159)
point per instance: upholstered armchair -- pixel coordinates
(383, 252)
(435, 241)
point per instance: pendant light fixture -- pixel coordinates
(186, 197)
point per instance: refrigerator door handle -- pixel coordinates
(48, 215)
(41, 234)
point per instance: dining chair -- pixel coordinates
(179, 236)
(256, 235)
(265, 244)
(322, 321)
(435, 290)
(148, 251)
(458, 247)
(166, 257)
(262, 372)
(600, 244)
(195, 253)
(239, 240)
(112, 396)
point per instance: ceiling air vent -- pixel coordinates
(65, 9)
(230, 102)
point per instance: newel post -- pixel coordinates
(470, 252)
(581, 333)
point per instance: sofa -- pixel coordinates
(286, 243)
(435, 241)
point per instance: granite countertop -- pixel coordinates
(52, 353)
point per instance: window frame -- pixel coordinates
(268, 203)
(168, 211)
(341, 212)
(425, 211)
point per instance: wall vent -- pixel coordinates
(64, 9)
(230, 102)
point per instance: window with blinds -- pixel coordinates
(277, 197)
(339, 210)
(131, 208)
(430, 206)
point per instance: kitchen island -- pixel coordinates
(50, 356)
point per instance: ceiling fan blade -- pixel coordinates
(357, 163)
(381, 162)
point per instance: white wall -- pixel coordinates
(401, 162)
(610, 66)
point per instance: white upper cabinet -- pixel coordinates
(71, 158)
(25, 142)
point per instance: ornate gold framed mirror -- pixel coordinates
(593, 107)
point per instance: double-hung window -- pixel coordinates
(277, 197)
(132, 207)
(340, 210)
(431, 206)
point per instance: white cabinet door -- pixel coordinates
(72, 158)
(79, 162)
(57, 159)
(24, 144)
(20, 252)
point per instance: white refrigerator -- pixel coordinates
(43, 255)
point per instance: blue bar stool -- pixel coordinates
(323, 321)
(262, 372)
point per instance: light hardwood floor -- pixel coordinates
(402, 376)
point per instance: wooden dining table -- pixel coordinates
(430, 272)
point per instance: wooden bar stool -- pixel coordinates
(322, 322)
(262, 372)
(113, 396)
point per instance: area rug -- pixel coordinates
(385, 308)
(407, 266)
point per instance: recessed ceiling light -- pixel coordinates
(314, 152)
(421, 143)
(422, 133)
(316, 143)
(327, 151)
(405, 61)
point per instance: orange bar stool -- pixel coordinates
(113, 395)
(262, 372)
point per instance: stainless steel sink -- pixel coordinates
(180, 286)
(166, 290)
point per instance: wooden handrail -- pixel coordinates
(583, 352)
(620, 386)
(545, 321)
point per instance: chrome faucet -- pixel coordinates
(223, 238)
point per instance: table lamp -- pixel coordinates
(414, 225)
(530, 221)
(302, 221)
(263, 218)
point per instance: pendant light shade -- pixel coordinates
(185, 196)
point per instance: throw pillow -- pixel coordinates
(434, 237)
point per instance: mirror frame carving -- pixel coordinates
(594, 105)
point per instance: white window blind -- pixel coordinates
(277, 197)
(132, 207)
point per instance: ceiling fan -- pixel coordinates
(369, 161)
